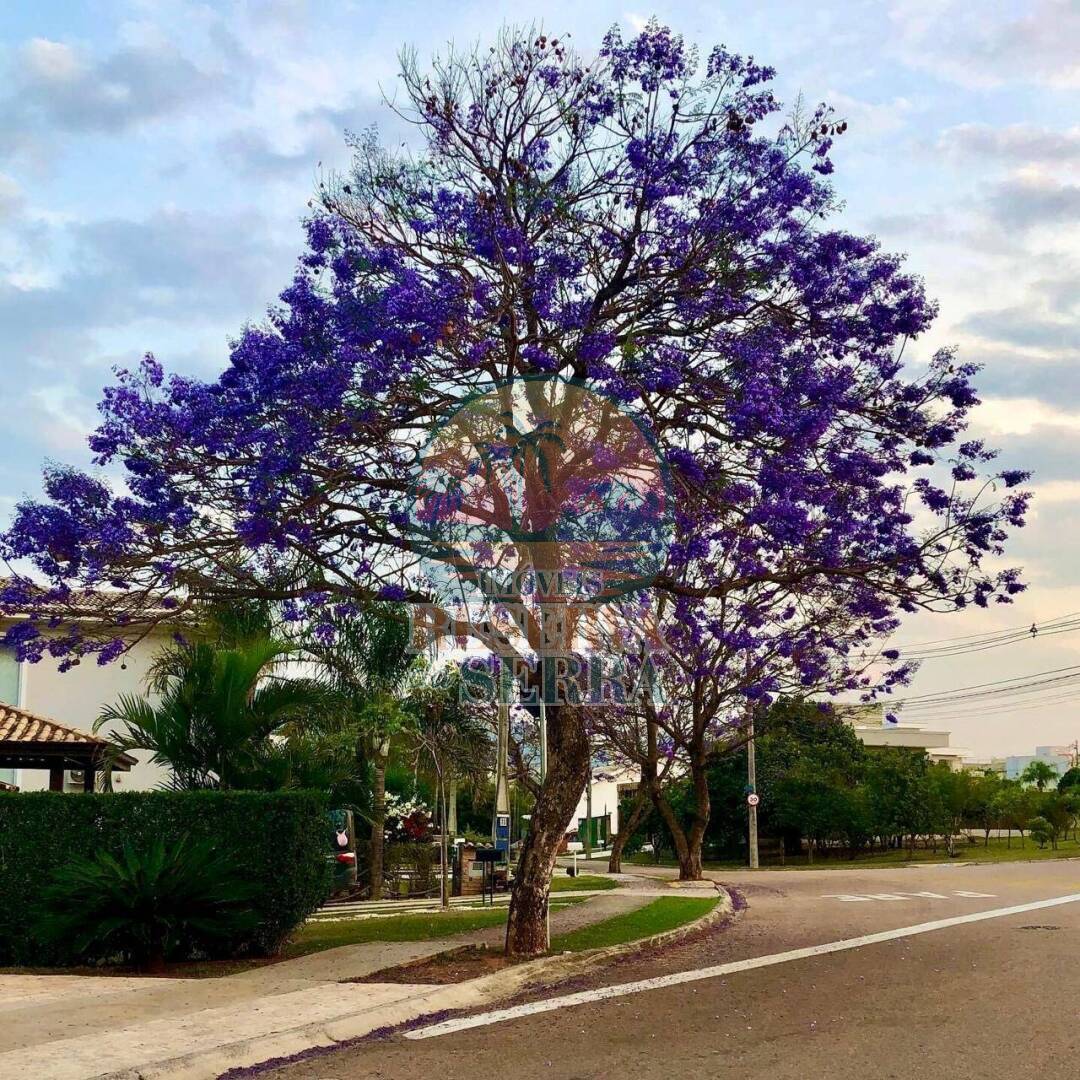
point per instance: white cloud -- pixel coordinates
(1022, 416)
(11, 197)
(964, 42)
(50, 61)
(1057, 491)
(1013, 144)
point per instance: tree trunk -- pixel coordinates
(695, 837)
(627, 828)
(378, 819)
(568, 767)
(683, 852)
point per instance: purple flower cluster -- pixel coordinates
(620, 223)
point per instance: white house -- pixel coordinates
(74, 699)
(603, 800)
(872, 728)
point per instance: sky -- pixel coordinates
(156, 158)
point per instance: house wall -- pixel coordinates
(9, 695)
(605, 797)
(76, 698)
(909, 736)
(1056, 757)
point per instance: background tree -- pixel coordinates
(452, 740)
(367, 657)
(1039, 773)
(1070, 779)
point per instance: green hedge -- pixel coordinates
(278, 840)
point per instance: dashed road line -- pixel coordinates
(855, 898)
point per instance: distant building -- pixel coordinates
(985, 765)
(1059, 758)
(874, 730)
(608, 782)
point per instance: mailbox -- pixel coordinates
(502, 834)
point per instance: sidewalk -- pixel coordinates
(78, 1027)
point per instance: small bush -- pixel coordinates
(1041, 831)
(274, 840)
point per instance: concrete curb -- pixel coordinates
(549, 969)
(270, 1050)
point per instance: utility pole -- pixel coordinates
(501, 816)
(543, 769)
(751, 783)
(543, 739)
(588, 809)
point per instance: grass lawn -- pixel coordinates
(997, 851)
(315, 936)
(423, 926)
(563, 883)
(664, 914)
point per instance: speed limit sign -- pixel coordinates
(753, 799)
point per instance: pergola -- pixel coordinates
(34, 742)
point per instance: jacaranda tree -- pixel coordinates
(635, 227)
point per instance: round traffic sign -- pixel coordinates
(753, 799)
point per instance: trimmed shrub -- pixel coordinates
(274, 840)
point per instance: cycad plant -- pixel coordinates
(147, 905)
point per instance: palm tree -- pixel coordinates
(1039, 773)
(368, 661)
(214, 713)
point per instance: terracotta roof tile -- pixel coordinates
(16, 725)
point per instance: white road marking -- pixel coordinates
(605, 993)
(855, 898)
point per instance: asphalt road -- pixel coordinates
(991, 999)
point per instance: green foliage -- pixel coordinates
(1042, 832)
(1070, 779)
(214, 713)
(819, 785)
(147, 905)
(1039, 773)
(276, 841)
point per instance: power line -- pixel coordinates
(990, 633)
(983, 646)
(994, 682)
